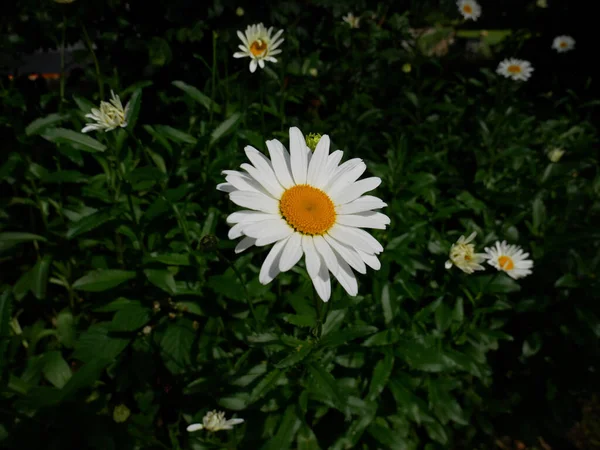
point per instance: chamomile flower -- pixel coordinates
(517, 69)
(563, 44)
(259, 44)
(509, 259)
(214, 421)
(352, 20)
(307, 204)
(469, 9)
(111, 115)
(463, 256)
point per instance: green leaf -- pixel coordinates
(198, 96)
(327, 384)
(227, 285)
(443, 404)
(5, 316)
(56, 370)
(381, 375)
(295, 356)
(133, 109)
(532, 345)
(130, 318)
(39, 125)
(300, 320)
(102, 280)
(65, 328)
(176, 135)
(162, 279)
(567, 281)
(225, 127)
(385, 337)
(143, 178)
(89, 223)
(340, 337)
(265, 385)
(386, 304)
(99, 342)
(443, 317)
(22, 286)
(306, 440)
(9, 239)
(437, 432)
(539, 213)
(77, 140)
(177, 342)
(170, 259)
(87, 375)
(428, 357)
(65, 176)
(159, 51)
(289, 426)
(39, 277)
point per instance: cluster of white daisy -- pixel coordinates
(502, 256)
(214, 421)
(515, 69)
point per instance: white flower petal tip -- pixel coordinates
(352, 20)
(260, 45)
(509, 259)
(515, 69)
(111, 115)
(463, 256)
(305, 203)
(563, 44)
(214, 421)
(470, 9)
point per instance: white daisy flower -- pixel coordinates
(307, 204)
(517, 69)
(563, 44)
(110, 115)
(555, 154)
(509, 259)
(352, 20)
(259, 45)
(469, 9)
(214, 421)
(463, 256)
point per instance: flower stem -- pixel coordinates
(262, 107)
(214, 75)
(90, 46)
(319, 329)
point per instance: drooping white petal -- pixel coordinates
(253, 65)
(361, 204)
(298, 156)
(274, 189)
(244, 244)
(236, 231)
(262, 163)
(355, 237)
(276, 233)
(316, 168)
(311, 257)
(270, 267)
(248, 216)
(326, 253)
(346, 277)
(280, 158)
(255, 201)
(292, 252)
(225, 187)
(322, 282)
(259, 230)
(355, 190)
(370, 260)
(349, 254)
(368, 219)
(244, 182)
(243, 38)
(195, 427)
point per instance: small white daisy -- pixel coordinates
(259, 45)
(214, 421)
(110, 115)
(463, 256)
(307, 204)
(469, 9)
(563, 44)
(509, 259)
(352, 20)
(517, 69)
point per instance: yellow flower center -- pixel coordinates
(514, 68)
(468, 9)
(307, 210)
(258, 47)
(506, 263)
(563, 44)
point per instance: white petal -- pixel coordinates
(253, 66)
(243, 38)
(248, 216)
(349, 254)
(361, 204)
(327, 254)
(261, 63)
(311, 257)
(292, 252)
(346, 175)
(240, 55)
(280, 158)
(90, 127)
(322, 283)
(231, 422)
(367, 219)
(316, 168)
(259, 230)
(226, 187)
(255, 201)
(299, 157)
(195, 427)
(355, 237)
(448, 264)
(370, 260)
(346, 277)
(261, 162)
(270, 267)
(244, 244)
(236, 231)
(332, 163)
(355, 190)
(244, 182)
(276, 234)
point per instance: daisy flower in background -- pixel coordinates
(259, 45)
(463, 256)
(517, 69)
(110, 115)
(307, 204)
(351, 20)
(214, 421)
(509, 259)
(563, 44)
(555, 154)
(469, 9)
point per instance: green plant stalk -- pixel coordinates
(262, 107)
(90, 46)
(214, 76)
(318, 307)
(62, 61)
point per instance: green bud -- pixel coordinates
(312, 140)
(121, 413)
